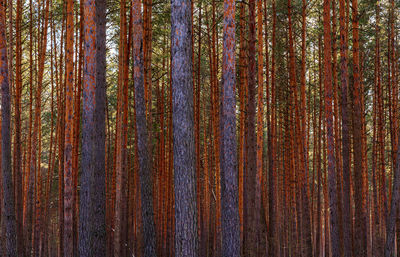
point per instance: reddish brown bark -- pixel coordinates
(333, 203)
(360, 243)
(242, 101)
(17, 141)
(273, 248)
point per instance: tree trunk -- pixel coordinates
(88, 126)
(98, 195)
(186, 244)
(333, 206)
(273, 247)
(346, 210)
(17, 141)
(251, 213)
(7, 181)
(68, 173)
(360, 244)
(142, 136)
(229, 199)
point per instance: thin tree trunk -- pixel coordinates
(333, 205)
(307, 241)
(68, 172)
(251, 213)
(273, 248)
(260, 128)
(346, 211)
(242, 101)
(360, 244)
(120, 143)
(17, 142)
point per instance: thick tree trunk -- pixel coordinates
(88, 126)
(149, 238)
(186, 243)
(8, 214)
(230, 209)
(98, 195)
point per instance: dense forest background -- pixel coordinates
(200, 128)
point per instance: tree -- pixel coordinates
(7, 182)
(142, 135)
(332, 184)
(347, 227)
(183, 136)
(88, 127)
(360, 242)
(68, 176)
(273, 248)
(98, 195)
(230, 201)
(251, 213)
(17, 141)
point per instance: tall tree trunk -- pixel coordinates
(7, 181)
(333, 206)
(251, 214)
(186, 244)
(260, 129)
(120, 143)
(88, 126)
(273, 249)
(68, 172)
(230, 209)
(360, 244)
(98, 195)
(142, 136)
(346, 210)
(17, 140)
(307, 241)
(242, 101)
(29, 183)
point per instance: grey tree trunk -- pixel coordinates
(229, 195)
(89, 87)
(8, 190)
(92, 235)
(98, 194)
(148, 232)
(186, 237)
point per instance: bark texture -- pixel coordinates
(230, 199)
(149, 236)
(8, 214)
(186, 235)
